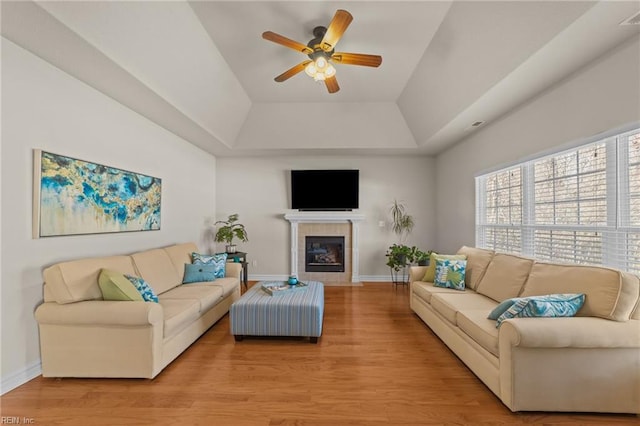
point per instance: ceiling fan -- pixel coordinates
(321, 52)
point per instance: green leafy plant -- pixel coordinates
(230, 229)
(422, 257)
(399, 256)
(402, 223)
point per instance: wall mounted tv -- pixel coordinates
(324, 189)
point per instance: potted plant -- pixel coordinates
(399, 256)
(229, 230)
(401, 222)
(422, 257)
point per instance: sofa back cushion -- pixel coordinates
(179, 255)
(505, 277)
(635, 281)
(608, 295)
(477, 262)
(156, 268)
(77, 280)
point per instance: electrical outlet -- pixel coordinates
(381, 224)
(254, 263)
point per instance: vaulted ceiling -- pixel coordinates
(202, 71)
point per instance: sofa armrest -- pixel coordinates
(574, 332)
(100, 312)
(416, 273)
(232, 270)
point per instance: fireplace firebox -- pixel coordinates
(324, 254)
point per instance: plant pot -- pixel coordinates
(423, 262)
(231, 248)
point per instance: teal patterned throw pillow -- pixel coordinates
(551, 305)
(145, 290)
(450, 273)
(218, 259)
(502, 308)
(199, 272)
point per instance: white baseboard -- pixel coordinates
(376, 278)
(20, 378)
(366, 278)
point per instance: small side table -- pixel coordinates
(240, 257)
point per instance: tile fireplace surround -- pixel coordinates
(325, 223)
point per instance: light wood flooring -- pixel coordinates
(375, 364)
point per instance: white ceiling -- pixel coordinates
(202, 71)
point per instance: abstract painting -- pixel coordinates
(73, 197)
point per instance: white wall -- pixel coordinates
(45, 108)
(604, 95)
(259, 190)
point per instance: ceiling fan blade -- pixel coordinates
(291, 72)
(332, 84)
(357, 59)
(287, 42)
(336, 28)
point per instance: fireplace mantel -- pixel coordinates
(323, 217)
(296, 217)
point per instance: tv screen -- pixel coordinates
(324, 189)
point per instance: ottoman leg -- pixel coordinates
(313, 339)
(238, 337)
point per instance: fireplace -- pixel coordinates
(324, 254)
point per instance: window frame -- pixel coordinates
(612, 236)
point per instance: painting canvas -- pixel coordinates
(74, 197)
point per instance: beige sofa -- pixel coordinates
(587, 363)
(82, 335)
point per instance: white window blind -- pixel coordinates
(577, 206)
(502, 201)
(628, 247)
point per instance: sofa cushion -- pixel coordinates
(179, 255)
(475, 324)
(115, 286)
(430, 274)
(426, 290)
(477, 262)
(207, 297)
(448, 304)
(505, 277)
(178, 314)
(450, 273)
(227, 285)
(77, 280)
(608, 295)
(549, 306)
(155, 267)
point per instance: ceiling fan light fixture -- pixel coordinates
(321, 52)
(330, 71)
(320, 69)
(311, 69)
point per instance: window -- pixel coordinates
(576, 206)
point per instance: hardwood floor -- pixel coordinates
(375, 364)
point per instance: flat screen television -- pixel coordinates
(325, 189)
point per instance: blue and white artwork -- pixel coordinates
(78, 197)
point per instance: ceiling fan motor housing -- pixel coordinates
(314, 43)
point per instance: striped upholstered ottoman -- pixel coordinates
(298, 313)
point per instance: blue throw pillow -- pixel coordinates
(502, 307)
(145, 290)
(199, 272)
(218, 259)
(450, 273)
(551, 305)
